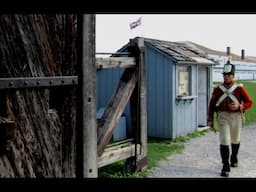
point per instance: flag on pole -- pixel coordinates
(135, 23)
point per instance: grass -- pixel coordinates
(250, 114)
(161, 149)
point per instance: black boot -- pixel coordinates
(233, 159)
(224, 152)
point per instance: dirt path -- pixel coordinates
(201, 158)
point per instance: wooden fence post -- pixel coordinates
(141, 158)
(87, 126)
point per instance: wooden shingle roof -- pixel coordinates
(181, 52)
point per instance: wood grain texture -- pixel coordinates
(43, 138)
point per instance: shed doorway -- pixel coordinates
(202, 96)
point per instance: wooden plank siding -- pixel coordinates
(39, 122)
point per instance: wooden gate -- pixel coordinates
(131, 87)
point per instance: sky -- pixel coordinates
(215, 31)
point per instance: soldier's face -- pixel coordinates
(228, 78)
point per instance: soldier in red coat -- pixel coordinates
(229, 100)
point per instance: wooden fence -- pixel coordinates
(92, 149)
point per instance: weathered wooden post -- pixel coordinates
(87, 128)
(141, 158)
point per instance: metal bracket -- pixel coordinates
(27, 82)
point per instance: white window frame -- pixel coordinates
(184, 81)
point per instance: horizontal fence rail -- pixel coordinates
(116, 53)
(111, 62)
(27, 82)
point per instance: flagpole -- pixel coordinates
(141, 29)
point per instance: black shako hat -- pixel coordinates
(228, 69)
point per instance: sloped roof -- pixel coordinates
(223, 53)
(181, 52)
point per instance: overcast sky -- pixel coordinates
(215, 31)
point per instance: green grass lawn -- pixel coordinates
(250, 114)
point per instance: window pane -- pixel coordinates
(183, 80)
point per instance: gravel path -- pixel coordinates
(201, 158)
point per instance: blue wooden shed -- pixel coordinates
(178, 87)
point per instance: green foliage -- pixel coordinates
(114, 170)
(196, 134)
(181, 139)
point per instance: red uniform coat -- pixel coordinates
(240, 93)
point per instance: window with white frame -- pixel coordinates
(184, 81)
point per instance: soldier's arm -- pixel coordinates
(247, 100)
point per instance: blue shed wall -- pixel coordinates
(106, 83)
(185, 111)
(159, 91)
(168, 117)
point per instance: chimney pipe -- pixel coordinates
(229, 55)
(228, 50)
(242, 54)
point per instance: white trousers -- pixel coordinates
(230, 125)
